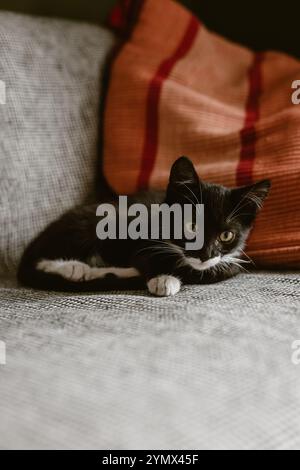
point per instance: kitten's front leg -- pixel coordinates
(157, 264)
(193, 276)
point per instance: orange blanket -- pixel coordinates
(177, 88)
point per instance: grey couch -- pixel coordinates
(210, 368)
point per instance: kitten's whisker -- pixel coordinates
(250, 259)
(156, 253)
(153, 248)
(191, 201)
(243, 268)
(233, 261)
(254, 198)
(192, 192)
(249, 195)
(170, 246)
(236, 213)
(239, 260)
(156, 250)
(162, 242)
(233, 218)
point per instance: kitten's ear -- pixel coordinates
(183, 172)
(248, 200)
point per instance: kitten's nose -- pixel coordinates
(209, 253)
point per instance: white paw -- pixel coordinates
(49, 266)
(71, 270)
(164, 286)
(74, 271)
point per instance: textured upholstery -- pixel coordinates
(210, 368)
(49, 125)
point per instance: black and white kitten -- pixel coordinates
(68, 256)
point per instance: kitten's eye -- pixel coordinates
(191, 227)
(227, 237)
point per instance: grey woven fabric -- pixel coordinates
(209, 368)
(49, 125)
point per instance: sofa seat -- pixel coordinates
(209, 368)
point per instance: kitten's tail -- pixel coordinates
(30, 276)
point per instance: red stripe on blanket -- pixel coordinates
(248, 133)
(118, 18)
(153, 99)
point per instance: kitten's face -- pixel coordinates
(228, 214)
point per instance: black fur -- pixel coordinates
(73, 237)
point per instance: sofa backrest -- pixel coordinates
(49, 124)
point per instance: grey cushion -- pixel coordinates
(210, 368)
(49, 125)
